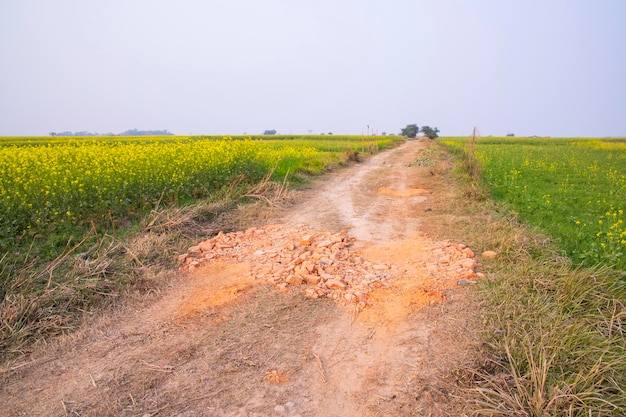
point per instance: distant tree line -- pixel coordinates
(68, 133)
(131, 132)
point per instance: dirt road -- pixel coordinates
(345, 306)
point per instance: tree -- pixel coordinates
(410, 131)
(430, 132)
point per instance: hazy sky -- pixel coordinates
(529, 67)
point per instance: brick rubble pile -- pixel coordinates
(323, 264)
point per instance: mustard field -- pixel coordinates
(47, 183)
(572, 189)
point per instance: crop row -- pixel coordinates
(572, 189)
(45, 184)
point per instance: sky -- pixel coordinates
(528, 67)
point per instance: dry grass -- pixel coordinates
(43, 301)
(555, 335)
(558, 335)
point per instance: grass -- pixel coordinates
(558, 341)
(44, 299)
(554, 331)
(572, 189)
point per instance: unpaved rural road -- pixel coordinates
(346, 305)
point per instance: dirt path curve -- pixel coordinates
(343, 307)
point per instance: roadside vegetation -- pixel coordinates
(571, 189)
(553, 301)
(84, 220)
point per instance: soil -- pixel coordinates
(347, 304)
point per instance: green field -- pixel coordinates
(47, 183)
(572, 189)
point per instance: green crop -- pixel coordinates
(573, 189)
